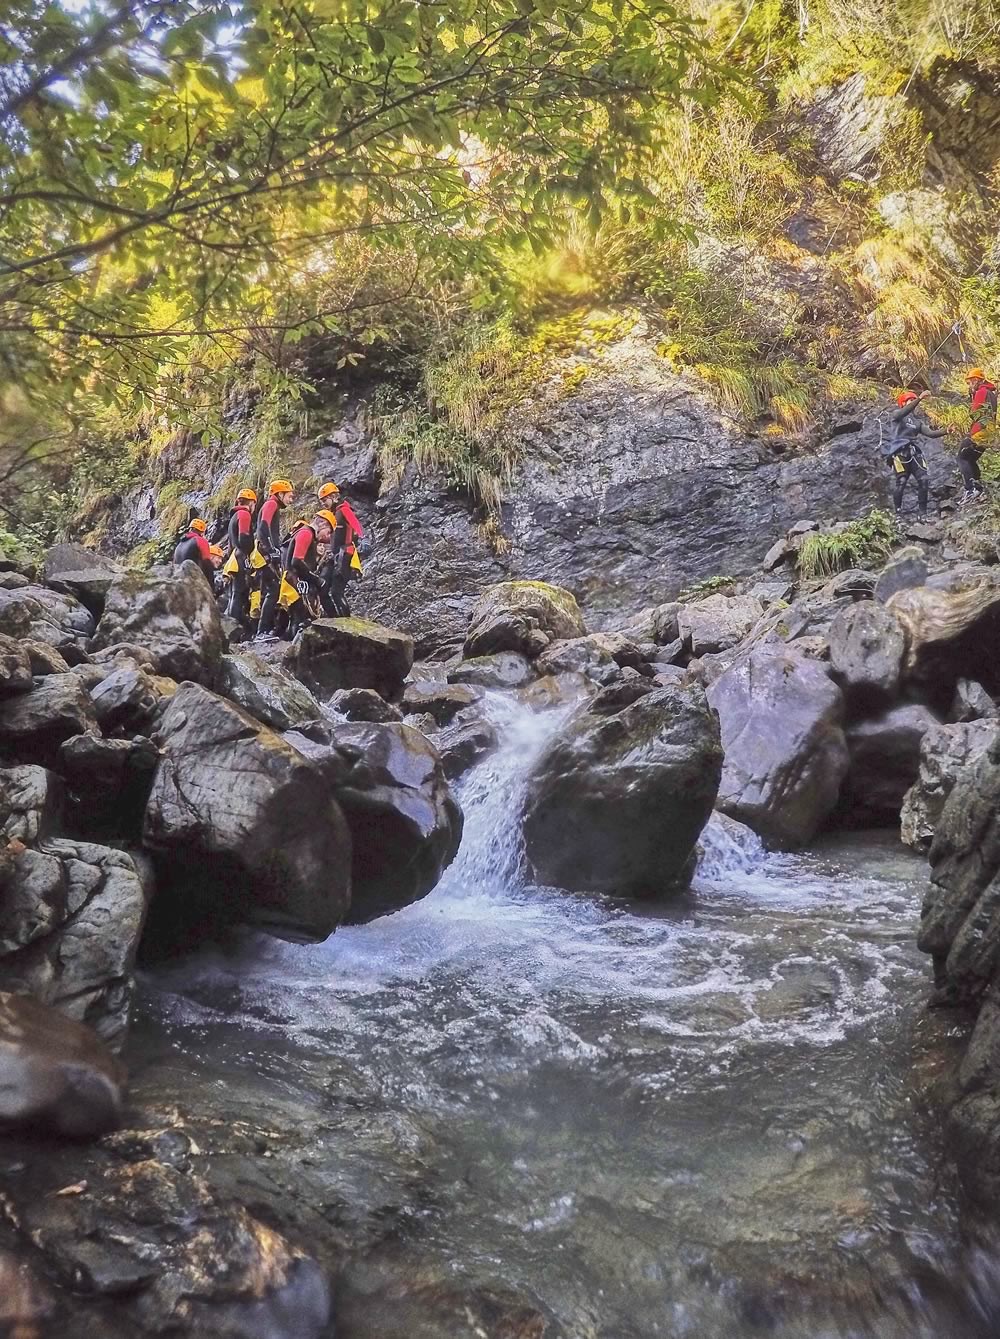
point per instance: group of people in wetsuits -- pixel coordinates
(905, 427)
(271, 582)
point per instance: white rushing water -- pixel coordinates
(668, 1114)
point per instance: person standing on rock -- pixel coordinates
(343, 563)
(301, 552)
(983, 411)
(902, 449)
(195, 548)
(237, 568)
(266, 556)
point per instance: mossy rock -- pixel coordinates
(523, 616)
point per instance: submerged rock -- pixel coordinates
(55, 1076)
(945, 752)
(619, 797)
(242, 826)
(786, 755)
(336, 653)
(522, 616)
(170, 614)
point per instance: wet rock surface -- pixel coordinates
(945, 752)
(172, 615)
(522, 616)
(242, 826)
(785, 752)
(338, 653)
(620, 796)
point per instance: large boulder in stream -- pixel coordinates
(267, 692)
(786, 755)
(55, 1075)
(173, 614)
(71, 915)
(405, 824)
(336, 653)
(242, 826)
(522, 616)
(945, 752)
(885, 760)
(621, 794)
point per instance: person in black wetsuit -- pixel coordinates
(301, 553)
(195, 548)
(240, 536)
(902, 449)
(269, 542)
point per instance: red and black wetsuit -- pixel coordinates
(269, 543)
(240, 536)
(337, 569)
(300, 566)
(194, 548)
(983, 409)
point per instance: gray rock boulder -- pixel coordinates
(126, 701)
(463, 744)
(55, 1075)
(242, 827)
(71, 914)
(171, 614)
(945, 752)
(952, 630)
(972, 703)
(34, 725)
(337, 653)
(620, 796)
(905, 570)
(442, 701)
(885, 761)
(271, 694)
(717, 622)
(15, 667)
(47, 616)
(364, 704)
(31, 803)
(108, 782)
(867, 649)
(81, 573)
(522, 616)
(785, 752)
(405, 824)
(505, 669)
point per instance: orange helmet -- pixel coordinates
(280, 486)
(328, 490)
(975, 374)
(904, 397)
(246, 495)
(329, 517)
(215, 550)
(199, 525)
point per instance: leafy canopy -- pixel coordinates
(172, 169)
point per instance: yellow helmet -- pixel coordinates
(199, 525)
(328, 490)
(246, 495)
(280, 486)
(975, 374)
(329, 517)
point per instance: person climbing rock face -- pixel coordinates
(237, 568)
(902, 449)
(301, 554)
(982, 430)
(266, 555)
(195, 548)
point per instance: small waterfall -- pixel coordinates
(493, 797)
(727, 847)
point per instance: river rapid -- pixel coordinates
(513, 1113)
